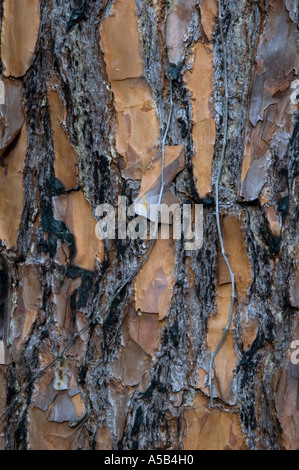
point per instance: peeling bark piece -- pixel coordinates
(151, 181)
(273, 221)
(132, 93)
(79, 406)
(81, 322)
(103, 439)
(271, 109)
(47, 435)
(118, 397)
(200, 84)
(44, 393)
(62, 301)
(137, 139)
(29, 303)
(61, 376)
(204, 135)
(11, 194)
(132, 364)
(249, 327)
(66, 159)
(227, 359)
(235, 248)
(206, 429)
(256, 176)
(138, 127)
(209, 10)
(201, 382)
(155, 281)
(258, 105)
(62, 253)
(144, 329)
(75, 211)
(177, 29)
(20, 27)
(120, 42)
(33, 294)
(74, 386)
(277, 58)
(11, 113)
(62, 409)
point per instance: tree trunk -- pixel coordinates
(121, 343)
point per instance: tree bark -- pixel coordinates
(96, 353)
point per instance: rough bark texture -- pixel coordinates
(87, 88)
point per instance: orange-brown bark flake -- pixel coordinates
(21, 21)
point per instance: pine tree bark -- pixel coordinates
(89, 87)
